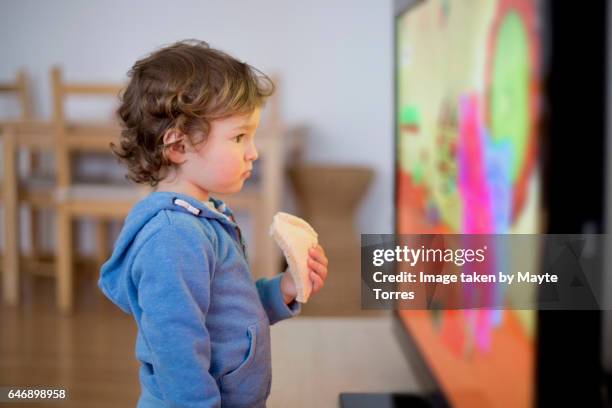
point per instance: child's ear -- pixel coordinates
(174, 145)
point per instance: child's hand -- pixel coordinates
(317, 262)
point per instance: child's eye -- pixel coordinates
(239, 138)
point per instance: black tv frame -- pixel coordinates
(569, 369)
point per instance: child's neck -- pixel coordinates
(179, 186)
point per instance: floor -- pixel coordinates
(90, 354)
(315, 359)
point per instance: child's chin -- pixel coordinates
(233, 189)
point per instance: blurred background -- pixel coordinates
(433, 116)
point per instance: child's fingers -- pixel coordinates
(318, 254)
(318, 268)
(317, 282)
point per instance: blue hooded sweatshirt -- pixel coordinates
(180, 268)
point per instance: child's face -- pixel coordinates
(223, 162)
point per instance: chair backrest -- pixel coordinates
(20, 87)
(62, 90)
(65, 144)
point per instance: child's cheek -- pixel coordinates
(228, 171)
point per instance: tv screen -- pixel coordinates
(468, 130)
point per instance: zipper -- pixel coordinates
(239, 239)
(237, 234)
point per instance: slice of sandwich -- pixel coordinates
(295, 237)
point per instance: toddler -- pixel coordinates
(189, 116)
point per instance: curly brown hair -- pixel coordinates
(184, 86)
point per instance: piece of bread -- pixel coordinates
(295, 237)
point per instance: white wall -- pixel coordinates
(334, 57)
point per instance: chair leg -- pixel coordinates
(34, 233)
(10, 267)
(102, 247)
(64, 257)
(34, 167)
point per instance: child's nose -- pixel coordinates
(251, 153)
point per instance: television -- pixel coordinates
(500, 129)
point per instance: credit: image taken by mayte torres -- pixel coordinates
(482, 272)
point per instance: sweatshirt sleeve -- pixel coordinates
(273, 302)
(176, 267)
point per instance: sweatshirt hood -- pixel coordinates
(115, 280)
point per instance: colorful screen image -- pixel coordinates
(468, 102)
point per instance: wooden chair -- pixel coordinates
(20, 88)
(36, 190)
(75, 200)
